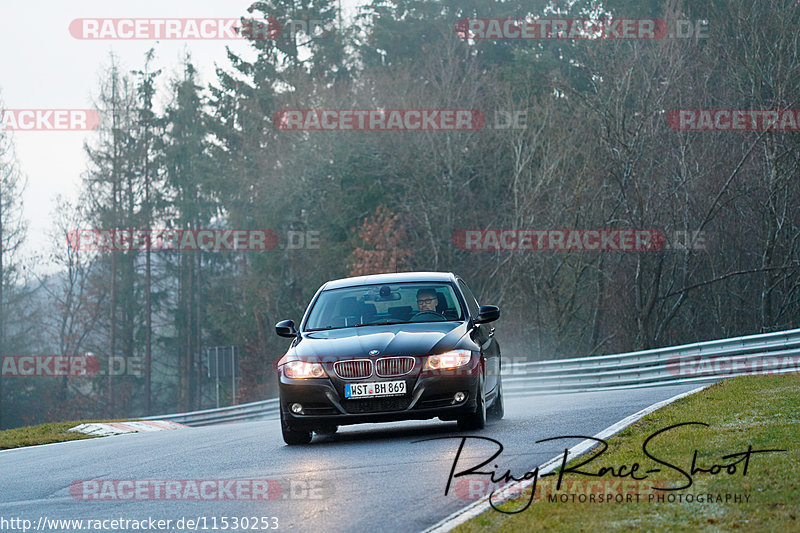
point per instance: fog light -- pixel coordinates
(459, 397)
(297, 408)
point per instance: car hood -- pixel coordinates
(400, 339)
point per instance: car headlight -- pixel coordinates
(451, 359)
(303, 370)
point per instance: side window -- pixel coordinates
(472, 303)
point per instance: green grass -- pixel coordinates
(43, 434)
(762, 411)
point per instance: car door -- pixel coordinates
(483, 335)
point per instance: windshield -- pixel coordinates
(396, 303)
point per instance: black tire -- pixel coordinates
(476, 419)
(497, 410)
(326, 430)
(294, 436)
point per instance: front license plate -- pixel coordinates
(373, 389)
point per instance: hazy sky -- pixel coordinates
(43, 66)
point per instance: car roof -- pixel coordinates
(398, 277)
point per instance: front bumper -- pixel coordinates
(428, 395)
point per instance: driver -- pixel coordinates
(427, 300)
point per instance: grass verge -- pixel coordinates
(762, 411)
(43, 434)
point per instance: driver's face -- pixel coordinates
(427, 302)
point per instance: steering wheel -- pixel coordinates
(427, 316)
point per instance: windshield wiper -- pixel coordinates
(329, 328)
(379, 324)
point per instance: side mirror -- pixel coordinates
(487, 313)
(285, 328)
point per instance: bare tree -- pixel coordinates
(79, 307)
(12, 233)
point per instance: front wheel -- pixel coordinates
(476, 419)
(293, 436)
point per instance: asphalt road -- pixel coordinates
(364, 478)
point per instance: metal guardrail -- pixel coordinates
(207, 417)
(701, 362)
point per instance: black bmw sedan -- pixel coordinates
(389, 347)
